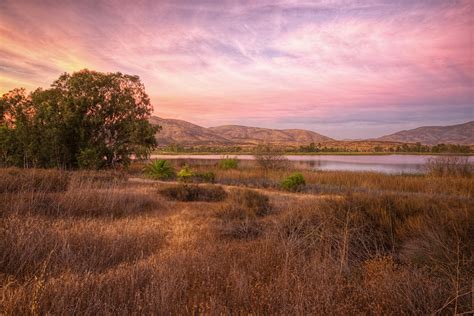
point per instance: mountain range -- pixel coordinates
(188, 134)
(432, 135)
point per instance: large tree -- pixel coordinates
(86, 119)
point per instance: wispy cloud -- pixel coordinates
(274, 63)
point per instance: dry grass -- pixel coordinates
(32, 180)
(249, 174)
(239, 217)
(118, 247)
(345, 181)
(194, 192)
(450, 166)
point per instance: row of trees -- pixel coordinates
(177, 148)
(420, 148)
(86, 119)
(417, 147)
(315, 148)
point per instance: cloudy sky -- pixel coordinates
(347, 69)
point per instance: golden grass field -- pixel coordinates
(108, 243)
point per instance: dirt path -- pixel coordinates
(318, 195)
(229, 188)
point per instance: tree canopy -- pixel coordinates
(87, 119)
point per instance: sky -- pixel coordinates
(346, 69)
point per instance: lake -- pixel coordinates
(393, 164)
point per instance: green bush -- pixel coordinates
(229, 163)
(185, 174)
(294, 182)
(160, 170)
(194, 192)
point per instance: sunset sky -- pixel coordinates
(346, 69)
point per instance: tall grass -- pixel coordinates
(450, 166)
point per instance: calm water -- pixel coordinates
(376, 163)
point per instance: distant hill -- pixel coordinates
(188, 134)
(185, 133)
(256, 135)
(432, 135)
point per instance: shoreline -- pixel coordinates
(167, 153)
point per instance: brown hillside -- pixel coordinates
(431, 135)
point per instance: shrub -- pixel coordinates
(294, 182)
(269, 157)
(160, 170)
(244, 229)
(205, 177)
(246, 204)
(194, 192)
(229, 163)
(239, 217)
(185, 174)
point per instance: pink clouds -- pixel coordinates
(276, 62)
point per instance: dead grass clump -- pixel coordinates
(442, 242)
(33, 180)
(338, 230)
(86, 179)
(247, 228)
(239, 216)
(304, 228)
(112, 203)
(359, 227)
(391, 288)
(245, 204)
(194, 192)
(29, 244)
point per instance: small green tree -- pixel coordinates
(185, 174)
(229, 163)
